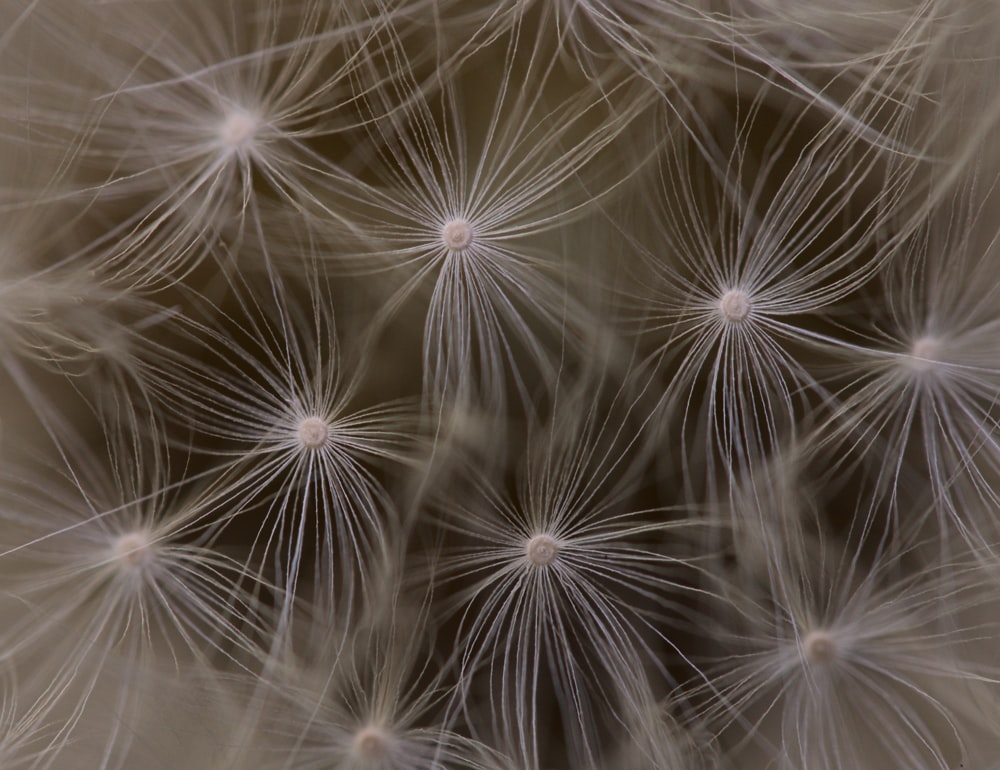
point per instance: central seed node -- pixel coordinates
(735, 306)
(924, 354)
(313, 432)
(132, 550)
(371, 744)
(457, 235)
(541, 550)
(819, 647)
(238, 130)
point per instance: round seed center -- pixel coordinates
(541, 550)
(133, 550)
(238, 130)
(313, 433)
(735, 306)
(457, 235)
(819, 647)
(371, 743)
(924, 354)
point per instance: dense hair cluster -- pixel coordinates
(499, 384)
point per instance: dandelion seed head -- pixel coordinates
(133, 550)
(819, 647)
(238, 130)
(371, 744)
(313, 433)
(735, 306)
(457, 235)
(541, 550)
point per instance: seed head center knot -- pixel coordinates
(132, 550)
(924, 354)
(238, 130)
(735, 306)
(313, 433)
(819, 647)
(370, 743)
(457, 235)
(542, 550)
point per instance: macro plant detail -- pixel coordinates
(499, 384)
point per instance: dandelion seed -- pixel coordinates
(919, 394)
(197, 119)
(108, 584)
(302, 455)
(738, 267)
(460, 213)
(568, 578)
(853, 665)
(371, 700)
